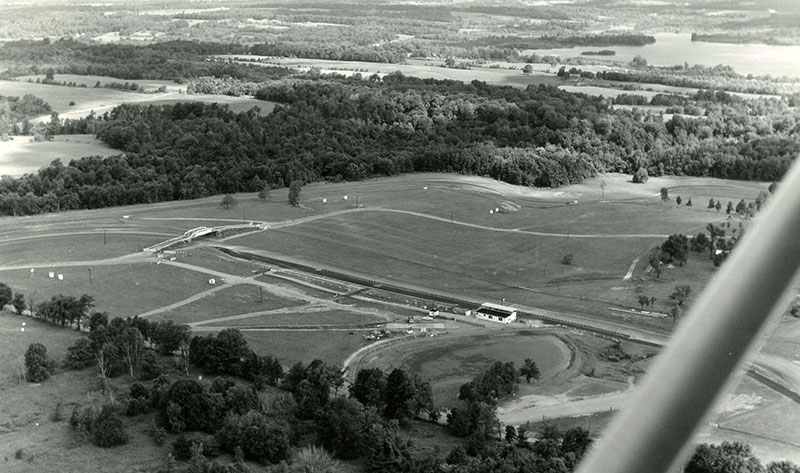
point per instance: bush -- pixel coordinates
(80, 355)
(38, 365)
(108, 429)
(183, 445)
(568, 259)
(259, 437)
(150, 366)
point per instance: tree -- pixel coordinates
(108, 429)
(700, 242)
(741, 207)
(343, 427)
(131, 343)
(511, 434)
(640, 176)
(294, 193)
(576, 441)
(729, 208)
(19, 302)
(681, 294)
(664, 195)
(782, 467)
(718, 206)
(529, 370)
(568, 259)
(368, 387)
(730, 457)
(5, 295)
(676, 248)
(678, 200)
(655, 262)
(38, 366)
(449, 62)
(228, 202)
(528, 69)
(264, 193)
(711, 203)
(689, 203)
(714, 233)
(643, 301)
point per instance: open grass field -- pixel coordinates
(449, 362)
(330, 318)
(122, 290)
(83, 247)
(149, 85)
(231, 300)
(21, 155)
(14, 342)
(425, 69)
(101, 100)
(291, 346)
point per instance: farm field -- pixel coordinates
(22, 155)
(149, 85)
(425, 69)
(101, 100)
(59, 96)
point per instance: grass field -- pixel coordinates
(315, 318)
(84, 247)
(233, 300)
(149, 85)
(59, 97)
(101, 100)
(305, 346)
(450, 362)
(21, 155)
(122, 290)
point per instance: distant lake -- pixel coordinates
(672, 49)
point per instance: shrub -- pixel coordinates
(568, 259)
(37, 364)
(108, 429)
(150, 366)
(259, 437)
(80, 355)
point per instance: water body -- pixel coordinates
(672, 49)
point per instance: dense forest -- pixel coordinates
(14, 110)
(335, 128)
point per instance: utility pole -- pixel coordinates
(104, 237)
(243, 215)
(451, 216)
(356, 200)
(90, 275)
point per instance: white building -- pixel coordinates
(496, 313)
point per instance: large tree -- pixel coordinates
(529, 370)
(5, 295)
(294, 193)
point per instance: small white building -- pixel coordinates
(496, 313)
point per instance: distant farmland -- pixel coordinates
(22, 155)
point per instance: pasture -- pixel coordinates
(21, 155)
(149, 85)
(59, 96)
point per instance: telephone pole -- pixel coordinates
(104, 237)
(90, 275)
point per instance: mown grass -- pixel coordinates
(122, 290)
(234, 300)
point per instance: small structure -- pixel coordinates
(324, 200)
(212, 281)
(345, 197)
(51, 275)
(60, 277)
(496, 313)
